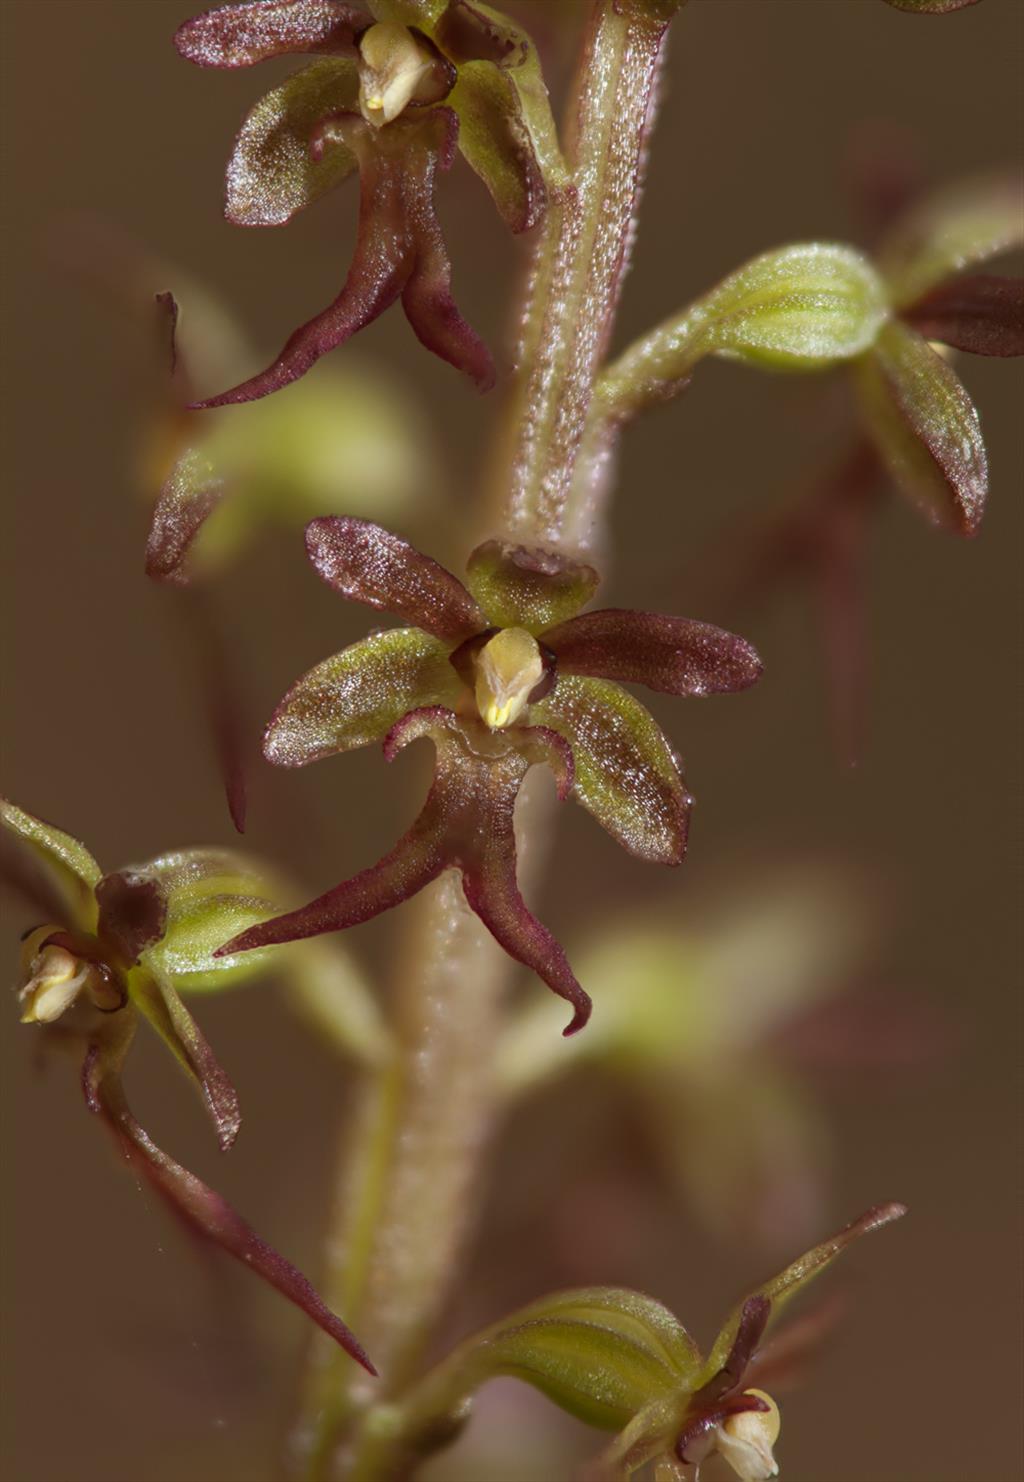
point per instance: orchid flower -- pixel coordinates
(500, 673)
(113, 947)
(620, 1361)
(396, 90)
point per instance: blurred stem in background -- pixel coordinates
(407, 1179)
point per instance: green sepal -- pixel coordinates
(272, 173)
(949, 231)
(155, 996)
(522, 588)
(212, 895)
(66, 863)
(496, 144)
(925, 427)
(781, 1288)
(601, 1354)
(356, 696)
(215, 894)
(800, 308)
(507, 133)
(626, 774)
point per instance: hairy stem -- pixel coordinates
(576, 278)
(406, 1191)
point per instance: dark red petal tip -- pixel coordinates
(982, 314)
(203, 1209)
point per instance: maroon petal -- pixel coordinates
(415, 861)
(366, 563)
(753, 1321)
(427, 297)
(675, 655)
(699, 1427)
(133, 913)
(241, 35)
(466, 824)
(204, 1210)
(493, 894)
(983, 314)
(399, 251)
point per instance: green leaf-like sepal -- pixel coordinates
(507, 133)
(952, 230)
(925, 427)
(626, 774)
(69, 870)
(272, 173)
(531, 589)
(212, 895)
(601, 1354)
(800, 308)
(356, 696)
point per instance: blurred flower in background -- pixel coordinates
(713, 1022)
(347, 440)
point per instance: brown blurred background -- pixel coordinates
(126, 1359)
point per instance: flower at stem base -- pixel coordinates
(97, 965)
(620, 1361)
(500, 674)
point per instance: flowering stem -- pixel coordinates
(406, 1190)
(576, 279)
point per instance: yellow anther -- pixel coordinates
(508, 669)
(745, 1440)
(392, 65)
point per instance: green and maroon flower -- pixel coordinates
(115, 946)
(620, 1361)
(500, 673)
(395, 91)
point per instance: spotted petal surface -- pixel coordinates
(356, 696)
(925, 428)
(366, 563)
(242, 35)
(677, 656)
(626, 775)
(272, 173)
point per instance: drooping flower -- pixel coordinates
(393, 94)
(115, 946)
(500, 673)
(620, 1361)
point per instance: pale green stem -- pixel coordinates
(576, 279)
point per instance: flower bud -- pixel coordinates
(509, 668)
(393, 65)
(746, 1440)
